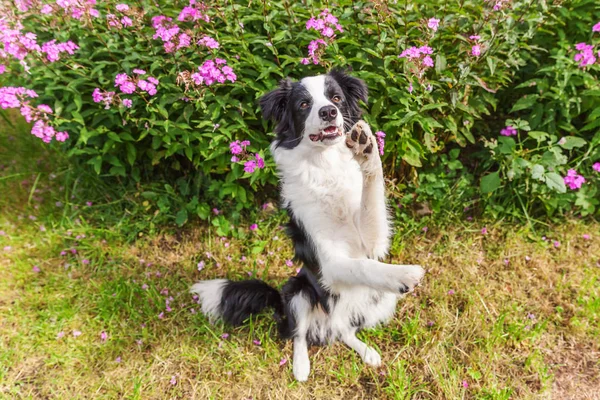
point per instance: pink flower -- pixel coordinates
(256, 342)
(225, 336)
(410, 88)
(289, 263)
(433, 24)
(126, 21)
(173, 380)
(253, 227)
(596, 167)
(573, 180)
(118, 359)
(451, 292)
(250, 166)
(161, 315)
(476, 50)
(85, 261)
(465, 384)
(596, 28)
(586, 236)
(46, 9)
(527, 258)
(200, 265)
(122, 7)
(209, 42)
(484, 231)
(36, 268)
(76, 333)
(260, 163)
(379, 136)
(586, 54)
(282, 362)
(144, 287)
(508, 131)
(60, 335)
(556, 244)
(474, 37)
(103, 336)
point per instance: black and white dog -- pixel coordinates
(333, 189)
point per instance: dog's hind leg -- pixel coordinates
(368, 354)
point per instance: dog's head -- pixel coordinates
(317, 108)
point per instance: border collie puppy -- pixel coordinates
(333, 189)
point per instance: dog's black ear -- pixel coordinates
(354, 89)
(274, 103)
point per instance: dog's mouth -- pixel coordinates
(329, 133)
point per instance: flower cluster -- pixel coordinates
(499, 4)
(78, 8)
(19, 45)
(573, 180)
(119, 23)
(433, 24)
(476, 48)
(209, 42)
(508, 131)
(212, 71)
(18, 97)
(596, 167)
(238, 149)
(326, 25)
(129, 85)
(316, 48)
(379, 135)
(586, 55)
(596, 28)
(194, 12)
(170, 34)
(420, 57)
(53, 50)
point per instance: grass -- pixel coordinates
(507, 314)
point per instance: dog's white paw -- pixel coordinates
(301, 369)
(361, 141)
(371, 357)
(406, 278)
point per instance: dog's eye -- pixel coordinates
(304, 105)
(336, 99)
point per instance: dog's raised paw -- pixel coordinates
(360, 140)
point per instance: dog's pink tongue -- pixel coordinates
(331, 129)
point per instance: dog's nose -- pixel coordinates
(328, 113)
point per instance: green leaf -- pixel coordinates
(555, 182)
(570, 142)
(525, 102)
(537, 172)
(490, 182)
(181, 217)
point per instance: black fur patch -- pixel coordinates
(242, 299)
(306, 284)
(304, 248)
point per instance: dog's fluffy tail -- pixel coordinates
(234, 302)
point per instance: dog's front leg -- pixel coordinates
(373, 220)
(301, 362)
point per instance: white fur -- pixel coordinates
(338, 196)
(210, 293)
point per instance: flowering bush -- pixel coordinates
(150, 91)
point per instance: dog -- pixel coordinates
(332, 186)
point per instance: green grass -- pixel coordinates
(522, 329)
